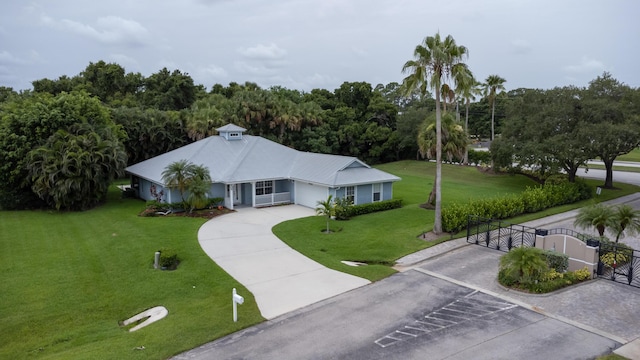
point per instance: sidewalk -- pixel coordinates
(580, 306)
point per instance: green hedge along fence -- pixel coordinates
(533, 199)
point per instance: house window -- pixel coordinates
(377, 190)
(350, 194)
(264, 187)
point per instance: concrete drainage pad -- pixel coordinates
(154, 314)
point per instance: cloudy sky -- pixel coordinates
(306, 44)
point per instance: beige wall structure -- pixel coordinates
(580, 255)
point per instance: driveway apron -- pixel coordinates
(280, 278)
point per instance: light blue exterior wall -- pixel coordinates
(363, 194)
(387, 191)
(217, 190)
(282, 186)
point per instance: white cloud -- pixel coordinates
(253, 69)
(8, 58)
(263, 52)
(107, 30)
(586, 65)
(359, 51)
(214, 71)
(520, 47)
(124, 60)
(318, 80)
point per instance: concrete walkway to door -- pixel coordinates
(280, 278)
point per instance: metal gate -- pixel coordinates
(500, 235)
(619, 263)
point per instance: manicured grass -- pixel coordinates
(381, 238)
(68, 278)
(632, 156)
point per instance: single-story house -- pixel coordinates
(253, 171)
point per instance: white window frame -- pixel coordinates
(351, 196)
(264, 187)
(374, 192)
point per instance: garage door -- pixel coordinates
(308, 195)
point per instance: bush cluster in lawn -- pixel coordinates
(535, 271)
(346, 211)
(479, 157)
(533, 199)
(154, 207)
(168, 259)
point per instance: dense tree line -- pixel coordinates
(562, 128)
(64, 141)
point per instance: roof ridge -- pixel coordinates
(243, 154)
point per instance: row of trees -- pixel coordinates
(563, 128)
(438, 64)
(128, 116)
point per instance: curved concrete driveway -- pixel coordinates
(280, 278)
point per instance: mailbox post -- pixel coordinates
(236, 299)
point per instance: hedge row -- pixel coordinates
(533, 199)
(349, 211)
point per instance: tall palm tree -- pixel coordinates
(432, 64)
(468, 87)
(492, 85)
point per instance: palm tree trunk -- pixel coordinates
(437, 224)
(432, 195)
(466, 132)
(493, 112)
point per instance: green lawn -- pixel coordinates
(68, 278)
(632, 156)
(381, 238)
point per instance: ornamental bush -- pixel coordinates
(347, 212)
(168, 259)
(556, 261)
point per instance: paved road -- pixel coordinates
(618, 176)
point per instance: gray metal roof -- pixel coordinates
(255, 158)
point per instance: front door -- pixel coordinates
(237, 194)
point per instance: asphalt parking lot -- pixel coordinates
(410, 315)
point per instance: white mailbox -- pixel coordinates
(236, 299)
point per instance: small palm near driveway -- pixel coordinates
(280, 278)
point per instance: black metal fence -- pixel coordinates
(500, 235)
(619, 263)
(616, 262)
